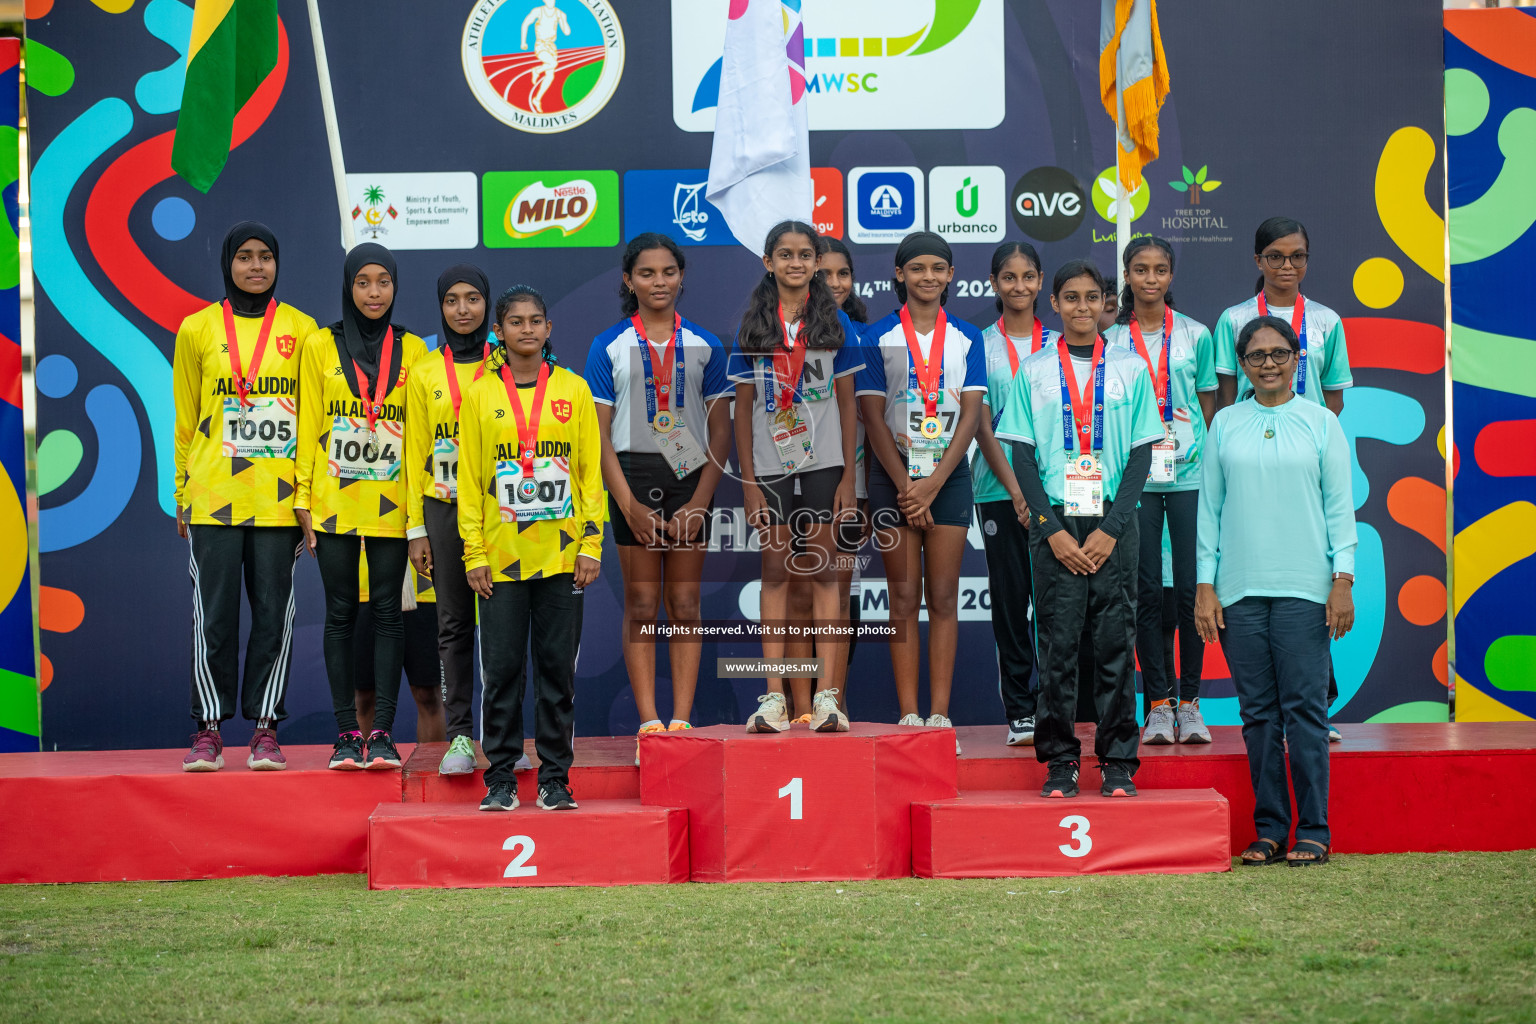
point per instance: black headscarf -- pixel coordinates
(923, 243)
(359, 339)
(465, 347)
(242, 302)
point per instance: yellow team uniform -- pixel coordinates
(228, 474)
(345, 492)
(432, 434)
(495, 526)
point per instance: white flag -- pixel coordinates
(760, 165)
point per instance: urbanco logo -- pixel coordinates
(1048, 204)
(870, 64)
(968, 204)
(543, 66)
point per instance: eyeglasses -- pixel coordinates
(1280, 356)
(1276, 260)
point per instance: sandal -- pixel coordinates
(1307, 861)
(1259, 853)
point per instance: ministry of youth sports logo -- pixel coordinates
(543, 66)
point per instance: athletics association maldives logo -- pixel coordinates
(543, 66)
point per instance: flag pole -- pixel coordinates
(1122, 224)
(332, 131)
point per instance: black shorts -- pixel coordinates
(655, 486)
(422, 667)
(951, 506)
(809, 502)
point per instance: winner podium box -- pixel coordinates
(798, 805)
(1006, 834)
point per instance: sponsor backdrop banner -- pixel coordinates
(533, 136)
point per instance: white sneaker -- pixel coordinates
(911, 720)
(772, 714)
(826, 716)
(940, 722)
(1021, 732)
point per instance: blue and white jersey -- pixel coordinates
(616, 374)
(888, 366)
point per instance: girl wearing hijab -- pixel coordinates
(236, 390)
(350, 483)
(921, 393)
(432, 400)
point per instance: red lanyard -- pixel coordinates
(453, 377)
(1013, 353)
(1160, 372)
(1298, 311)
(381, 384)
(527, 426)
(662, 365)
(930, 371)
(243, 382)
(1082, 399)
(788, 365)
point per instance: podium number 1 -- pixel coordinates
(1082, 842)
(792, 790)
(519, 868)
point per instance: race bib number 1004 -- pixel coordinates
(351, 458)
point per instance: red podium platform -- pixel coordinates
(798, 806)
(603, 842)
(1013, 834)
(134, 815)
(604, 770)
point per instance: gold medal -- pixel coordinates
(663, 422)
(785, 418)
(931, 427)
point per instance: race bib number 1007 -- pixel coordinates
(545, 495)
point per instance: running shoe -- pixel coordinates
(1159, 730)
(381, 751)
(348, 755)
(1021, 732)
(772, 714)
(911, 720)
(1334, 736)
(1191, 723)
(942, 722)
(500, 796)
(826, 716)
(1116, 780)
(207, 753)
(460, 758)
(648, 729)
(1061, 780)
(556, 796)
(266, 755)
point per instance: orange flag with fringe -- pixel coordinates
(1133, 81)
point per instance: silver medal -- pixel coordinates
(371, 449)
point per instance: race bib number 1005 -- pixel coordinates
(266, 431)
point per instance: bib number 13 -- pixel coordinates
(1082, 842)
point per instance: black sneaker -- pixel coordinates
(348, 754)
(381, 751)
(1062, 780)
(556, 796)
(1117, 781)
(500, 796)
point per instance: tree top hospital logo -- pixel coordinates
(1048, 204)
(543, 66)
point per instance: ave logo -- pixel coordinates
(1048, 204)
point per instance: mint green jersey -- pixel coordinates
(984, 483)
(1191, 370)
(1327, 353)
(1033, 415)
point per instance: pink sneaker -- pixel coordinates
(266, 755)
(207, 753)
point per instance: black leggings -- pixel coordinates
(338, 557)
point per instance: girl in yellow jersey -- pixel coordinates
(236, 391)
(351, 484)
(432, 402)
(531, 515)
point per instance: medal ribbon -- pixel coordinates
(928, 373)
(788, 365)
(1299, 325)
(527, 425)
(658, 386)
(381, 386)
(1074, 416)
(1160, 379)
(1013, 353)
(243, 382)
(453, 378)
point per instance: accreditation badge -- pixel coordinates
(678, 446)
(1164, 455)
(1083, 486)
(792, 440)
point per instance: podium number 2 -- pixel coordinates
(792, 790)
(519, 868)
(1082, 842)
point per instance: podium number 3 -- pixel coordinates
(792, 790)
(519, 868)
(1082, 842)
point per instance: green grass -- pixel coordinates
(1447, 937)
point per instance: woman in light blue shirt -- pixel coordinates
(1275, 568)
